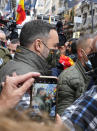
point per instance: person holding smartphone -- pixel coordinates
(14, 88)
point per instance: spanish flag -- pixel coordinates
(66, 61)
(21, 15)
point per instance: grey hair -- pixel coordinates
(82, 41)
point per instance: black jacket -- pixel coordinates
(25, 61)
(73, 82)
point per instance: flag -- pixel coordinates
(66, 61)
(21, 15)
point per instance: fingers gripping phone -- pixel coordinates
(44, 94)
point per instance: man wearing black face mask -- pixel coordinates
(4, 53)
(73, 81)
(36, 40)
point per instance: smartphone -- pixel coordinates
(44, 95)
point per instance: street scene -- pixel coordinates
(48, 65)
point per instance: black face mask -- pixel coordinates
(51, 59)
(2, 43)
(93, 58)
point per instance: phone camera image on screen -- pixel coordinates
(44, 95)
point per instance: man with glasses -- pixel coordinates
(36, 39)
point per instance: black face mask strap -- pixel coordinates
(46, 47)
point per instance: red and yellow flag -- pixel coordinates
(21, 15)
(66, 61)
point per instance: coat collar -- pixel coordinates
(82, 70)
(31, 58)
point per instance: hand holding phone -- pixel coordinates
(44, 94)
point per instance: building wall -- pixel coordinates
(48, 7)
(55, 6)
(84, 11)
(40, 7)
(3, 4)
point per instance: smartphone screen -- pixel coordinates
(44, 95)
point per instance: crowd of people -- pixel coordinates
(42, 49)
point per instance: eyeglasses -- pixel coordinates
(44, 44)
(56, 46)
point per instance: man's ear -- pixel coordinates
(80, 52)
(38, 45)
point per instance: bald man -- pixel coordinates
(2, 38)
(73, 81)
(4, 53)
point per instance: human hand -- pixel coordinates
(13, 90)
(58, 120)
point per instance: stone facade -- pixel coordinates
(84, 11)
(3, 4)
(40, 7)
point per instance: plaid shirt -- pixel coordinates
(83, 112)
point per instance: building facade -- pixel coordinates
(84, 11)
(40, 7)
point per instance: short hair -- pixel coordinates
(36, 29)
(82, 41)
(73, 46)
(15, 41)
(18, 121)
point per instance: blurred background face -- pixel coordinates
(62, 49)
(12, 48)
(69, 47)
(12, 45)
(3, 41)
(2, 37)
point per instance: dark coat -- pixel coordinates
(24, 61)
(72, 83)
